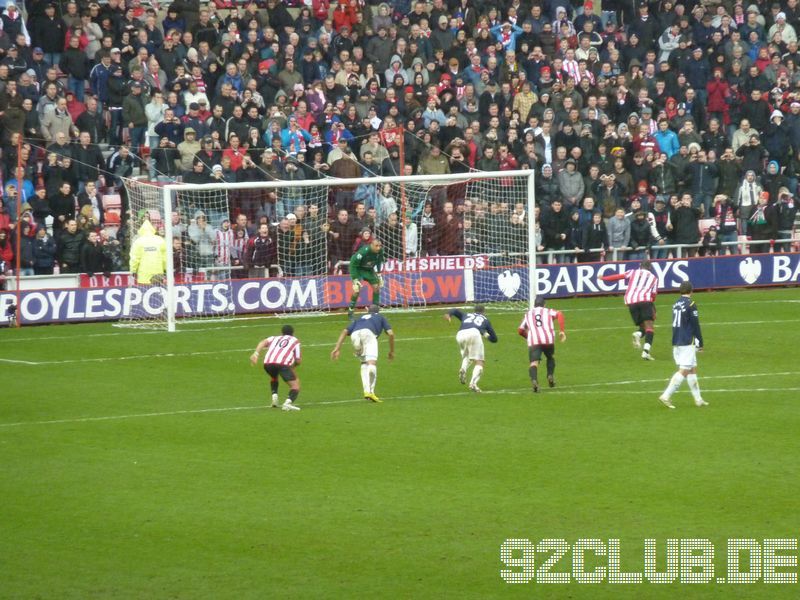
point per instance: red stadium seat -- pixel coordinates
(112, 201)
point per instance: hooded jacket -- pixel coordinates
(148, 254)
(187, 151)
(395, 68)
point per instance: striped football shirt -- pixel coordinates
(282, 350)
(539, 323)
(642, 286)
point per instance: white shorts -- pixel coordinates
(365, 344)
(685, 356)
(470, 342)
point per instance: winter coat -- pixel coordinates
(594, 237)
(787, 212)
(777, 143)
(547, 190)
(44, 252)
(684, 224)
(55, 122)
(133, 110)
(88, 161)
(571, 185)
(48, 34)
(619, 232)
(718, 93)
(641, 236)
(93, 259)
(553, 225)
(74, 62)
(68, 249)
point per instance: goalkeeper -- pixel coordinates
(365, 265)
(148, 255)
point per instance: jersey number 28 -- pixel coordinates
(476, 319)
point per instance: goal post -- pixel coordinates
(169, 292)
(480, 227)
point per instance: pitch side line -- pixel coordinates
(510, 391)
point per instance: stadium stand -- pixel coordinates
(652, 114)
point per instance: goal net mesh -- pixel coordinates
(268, 232)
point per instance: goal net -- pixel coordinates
(201, 255)
(285, 246)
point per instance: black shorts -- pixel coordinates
(287, 373)
(535, 352)
(642, 311)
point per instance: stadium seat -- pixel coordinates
(112, 217)
(704, 224)
(112, 201)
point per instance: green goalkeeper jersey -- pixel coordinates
(365, 261)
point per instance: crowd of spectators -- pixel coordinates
(640, 118)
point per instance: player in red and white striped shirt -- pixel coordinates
(640, 298)
(537, 328)
(281, 358)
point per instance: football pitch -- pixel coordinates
(140, 464)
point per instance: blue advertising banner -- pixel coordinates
(558, 281)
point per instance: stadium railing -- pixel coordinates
(674, 250)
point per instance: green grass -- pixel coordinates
(116, 484)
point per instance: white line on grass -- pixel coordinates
(325, 317)
(248, 350)
(323, 344)
(510, 391)
(701, 377)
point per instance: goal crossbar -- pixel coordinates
(334, 182)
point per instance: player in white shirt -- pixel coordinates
(538, 330)
(281, 358)
(474, 327)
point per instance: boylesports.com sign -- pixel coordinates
(468, 283)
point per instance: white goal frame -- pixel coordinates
(168, 191)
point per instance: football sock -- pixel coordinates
(648, 338)
(694, 386)
(476, 374)
(376, 296)
(464, 364)
(674, 384)
(353, 300)
(532, 371)
(293, 394)
(273, 385)
(365, 376)
(551, 366)
(646, 348)
(372, 376)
